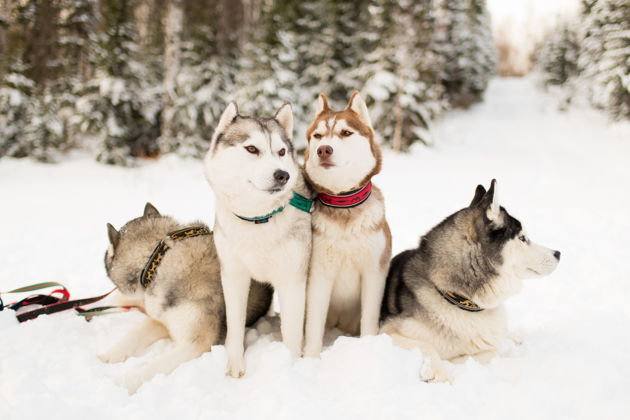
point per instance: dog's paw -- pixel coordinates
(235, 368)
(132, 382)
(113, 355)
(313, 351)
(515, 338)
(435, 372)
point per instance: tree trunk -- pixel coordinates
(398, 114)
(4, 28)
(143, 23)
(172, 58)
(41, 42)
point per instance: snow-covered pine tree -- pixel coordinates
(118, 107)
(468, 50)
(591, 42)
(76, 35)
(403, 85)
(270, 64)
(288, 58)
(76, 27)
(43, 136)
(15, 102)
(557, 59)
(29, 122)
(593, 60)
(353, 39)
(484, 52)
(203, 85)
(315, 35)
(382, 47)
(610, 75)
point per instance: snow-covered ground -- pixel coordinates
(565, 175)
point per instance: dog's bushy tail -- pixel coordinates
(395, 285)
(258, 302)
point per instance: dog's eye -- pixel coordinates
(317, 136)
(282, 152)
(522, 238)
(252, 149)
(346, 133)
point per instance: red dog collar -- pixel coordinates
(347, 200)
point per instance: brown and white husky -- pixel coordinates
(351, 238)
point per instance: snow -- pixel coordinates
(565, 175)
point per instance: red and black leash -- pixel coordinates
(51, 304)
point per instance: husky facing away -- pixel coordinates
(263, 221)
(173, 272)
(445, 297)
(351, 238)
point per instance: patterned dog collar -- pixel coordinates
(346, 200)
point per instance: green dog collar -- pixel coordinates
(298, 201)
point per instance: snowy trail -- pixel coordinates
(564, 175)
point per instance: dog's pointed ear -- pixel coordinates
(490, 203)
(285, 118)
(321, 105)
(227, 118)
(150, 210)
(113, 234)
(357, 104)
(479, 193)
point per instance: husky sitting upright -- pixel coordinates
(446, 296)
(263, 221)
(173, 272)
(351, 238)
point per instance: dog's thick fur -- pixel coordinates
(351, 246)
(480, 253)
(252, 169)
(184, 301)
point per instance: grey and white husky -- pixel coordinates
(182, 296)
(445, 297)
(263, 221)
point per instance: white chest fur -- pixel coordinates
(265, 248)
(466, 333)
(347, 276)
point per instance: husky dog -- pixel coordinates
(445, 297)
(182, 296)
(263, 221)
(351, 238)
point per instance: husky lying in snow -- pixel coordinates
(351, 238)
(263, 221)
(445, 297)
(179, 287)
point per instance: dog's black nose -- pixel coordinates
(557, 255)
(281, 176)
(324, 151)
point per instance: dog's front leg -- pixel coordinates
(485, 357)
(194, 333)
(318, 292)
(164, 364)
(135, 341)
(235, 281)
(433, 369)
(292, 294)
(372, 288)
